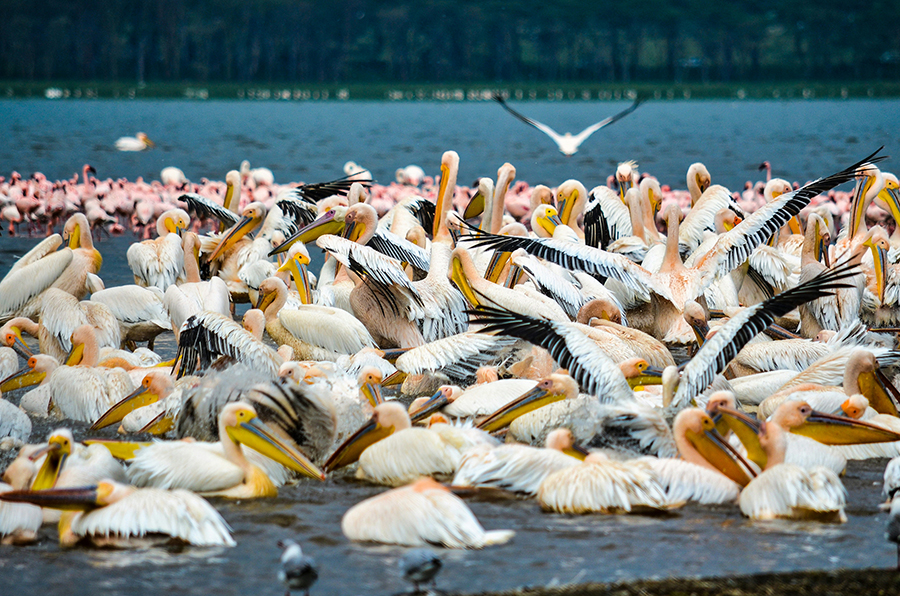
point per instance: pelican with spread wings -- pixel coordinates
(568, 143)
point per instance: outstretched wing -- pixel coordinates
(321, 190)
(396, 247)
(584, 134)
(201, 207)
(538, 125)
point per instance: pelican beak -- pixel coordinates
(148, 142)
(353, 230)
(462, 282)
(514, 277)
(75, 237)
(701, 330)
(475, 206)
(702, 184)
(746, 429)
(52, 466)
(565, 204)
(794, 225)
(859, 205)
(577, 451)
(170, 225)
(240, 229)
(880, 392)
(68, 499)
(300, 275)
(266, 300)
(139, 398)
(496, 264)
(650, 376)
(328, 223)
(549, 223)
(879, 258)
(891, 198)
(76, 355)
(372, 391)
(718, 452)
(840, 430)
(24, 377)
(259, 437)
(160, 425)
(434, 403)
(18, 343)
(349, 452)
(532, 400)
(391, 354)
(395, 379)
(123, 450)
(440, 200)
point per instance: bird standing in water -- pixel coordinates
(420, 566)
(298, 572)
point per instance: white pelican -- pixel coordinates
(568, 143)
(138, 142)
(391, 451)
(788, 491)
(220, 469)
(15, 425)
(195, 295)
(85, 258)
(113, 514)
(208, 335)
(19, 522)
(518, 468)
(37, 270)
(154, 387)
(599, 484)
(314, 332)
(140, 312)
(456, 357)
(419, 514)
(159, 262)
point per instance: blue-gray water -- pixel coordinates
(311, 141)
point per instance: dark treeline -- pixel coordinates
(449, 40)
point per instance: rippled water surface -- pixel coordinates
(310, 142)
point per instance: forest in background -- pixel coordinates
(271, 41)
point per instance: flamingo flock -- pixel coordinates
(620, 350)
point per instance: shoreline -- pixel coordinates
(872, 581)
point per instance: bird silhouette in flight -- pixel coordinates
(568, 143)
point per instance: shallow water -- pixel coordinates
(547, 549)
(311, 141)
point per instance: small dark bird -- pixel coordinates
(298, 572)
(420, 566)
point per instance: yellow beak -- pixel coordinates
(458, 275)
(52, 466)
(495, 266)
(840, 430)
(439, 203)
(475, 206)
(372, 391)
(718, 452)
(880, 392)
(528, 402)
(24, 377)
(349, 452)
(123, 450)
(256, 435)
(241, 229)
(139, 398)
(746, 429)
(328, 223)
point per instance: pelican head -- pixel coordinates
(295, 264)
(889, 195)
(369, 380)
(446, 189)
(270, 291)
(58, 449)
(173, 221)
(251, 217)
(638, 372)
(556, 387)
(387, 419)
(423, 407)
(726, 219)
(695, 316)
(142, 137)
(869, 183)
(562, 439)
(775, 188)
(541, 195)
(544, 220)
(243, 426)
(599, 308)
(696, 432)
(853, 407)
(484, 191)
(154, 387)
(570, 198)
(625, 175)
(360, 222)
(698, 180)
(77, 231)
(800, 418)
(650, 189)
(877, 241)
(864, 376)
(12, 335)
(723, 410)
(35, 371)
(330, 222)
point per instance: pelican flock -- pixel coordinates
(580, 357)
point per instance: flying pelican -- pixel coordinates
(568, 144)
(419, 514)
(518, 468)
(202, 468)
(159, 262)
(138, 142)
(113, 514)
(391, 451)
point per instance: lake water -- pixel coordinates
(310, 141)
